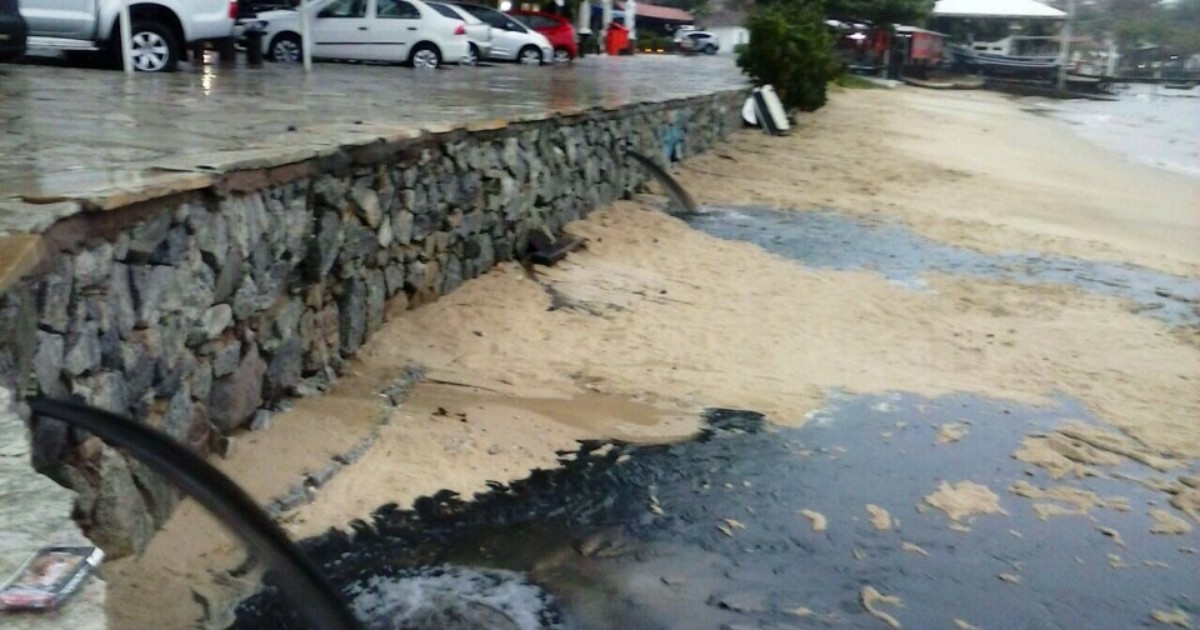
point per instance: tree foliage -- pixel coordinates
(790, 48)
(1131, 23)
(881, 12)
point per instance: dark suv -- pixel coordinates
(12, 30)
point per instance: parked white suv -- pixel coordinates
(163, 30)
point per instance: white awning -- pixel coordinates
(1013, 9)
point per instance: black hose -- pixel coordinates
(674, 190)
(311, 593)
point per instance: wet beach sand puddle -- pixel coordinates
(828, 239)
(890, 510)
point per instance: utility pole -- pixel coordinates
(1067, 34)
(306, 35)
(126, 38)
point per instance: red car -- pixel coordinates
(556, 28)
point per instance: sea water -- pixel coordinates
(1150, 124)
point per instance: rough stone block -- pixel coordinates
(353, 317)
(366, 204)
(284, 369)
(93, 265)
(235, 397)
(226, 354)
(54, 296)
(376, 295)
(84, 353)
(147, 236)
(48, 364)
(121, 523)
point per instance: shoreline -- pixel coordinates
(967, 168)
(1158, 136)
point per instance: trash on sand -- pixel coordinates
(49, 577)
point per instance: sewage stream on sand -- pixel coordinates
(829, 239)
(710, 533)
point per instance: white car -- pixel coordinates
(163, 30)
(405, 31)
(479, 33)
(698, 42)
(511, 40)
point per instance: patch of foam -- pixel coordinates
(453, 597)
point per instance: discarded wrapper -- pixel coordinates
(49, 577)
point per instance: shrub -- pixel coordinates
(790, 48)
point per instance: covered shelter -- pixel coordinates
(651, 18)
(1002, 37)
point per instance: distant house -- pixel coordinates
(1001, 37)
(649, 18)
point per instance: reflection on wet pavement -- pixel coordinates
(713, 533)
(829, 239)
(67, 130)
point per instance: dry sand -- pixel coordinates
(683, 321)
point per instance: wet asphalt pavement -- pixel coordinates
(74, 130)
(708, 533)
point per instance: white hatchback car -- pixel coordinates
(511, 40)
(405, 31)
(478, 33)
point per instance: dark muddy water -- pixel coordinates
(630, 536)
(832, 240)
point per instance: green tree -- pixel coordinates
(883, 13)
(791, 49)
(1182, 32)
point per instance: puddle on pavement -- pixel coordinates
(829, 239)
(709, 533)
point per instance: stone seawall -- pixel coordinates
(199, 311)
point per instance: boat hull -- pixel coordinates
(1004, 65)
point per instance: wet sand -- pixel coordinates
(661, 321)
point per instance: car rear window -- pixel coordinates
(397, 9)
(445, 10)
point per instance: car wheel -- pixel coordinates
(710, 50)
(562, 55)
(425, 56)
(285, 48)
(530, 56)
(473, 56)
(153, 48)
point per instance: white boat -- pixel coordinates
(1011, 56)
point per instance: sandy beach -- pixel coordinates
(631, 338)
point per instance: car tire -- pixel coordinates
(562, 55)
(425, 56)
(286, 48)
(155, 48)
(473, 56)
(710, 50)
(530, 56)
